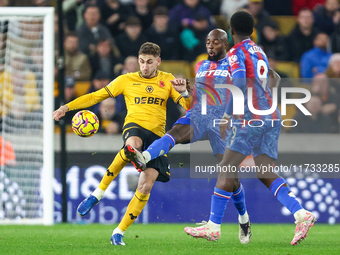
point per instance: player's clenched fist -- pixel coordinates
(179, 84)
(57, 114)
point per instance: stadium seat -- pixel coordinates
(292, 69)
(81, 88)
(203, 56)
(56, 89)
(176, 67)
(68, 129)
(221, 21)
(286, 23)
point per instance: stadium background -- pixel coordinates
(185, 199)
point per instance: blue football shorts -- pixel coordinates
(204, 129)
(255, 138)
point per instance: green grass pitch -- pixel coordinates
(163, 239)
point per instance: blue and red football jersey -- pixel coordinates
(208, 74)
(248, 57)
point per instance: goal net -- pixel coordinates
(26, 105)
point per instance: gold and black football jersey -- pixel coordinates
(145, 99)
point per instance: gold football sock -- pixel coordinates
(116, 166)
(133, 210)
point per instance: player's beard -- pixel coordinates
(215, 57)
(151, 75)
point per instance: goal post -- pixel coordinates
(27, 103)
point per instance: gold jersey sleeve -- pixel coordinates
(88, 99)
(178, 99)
(146, 99)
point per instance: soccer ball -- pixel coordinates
(85, 123)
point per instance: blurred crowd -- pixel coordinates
(102, 38)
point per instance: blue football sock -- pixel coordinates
(239, 200)
(219, 203)
(161, 146)
(285, 195)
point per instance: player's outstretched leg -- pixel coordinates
(212, 230)
(304, 221)
(244, 232)
(88, 203)
(136, 205)
(238, 198)
(133, 210)
(117, 239)
(113, 170)
(136, 157)
(206, 230)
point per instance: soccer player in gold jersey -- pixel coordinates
(146, 93)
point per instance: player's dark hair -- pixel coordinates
(161, 10)
(133, 21)
(305, 9)
(243, 23)
(71, 33)
(150, 48)
(88, 5)
(102, 39)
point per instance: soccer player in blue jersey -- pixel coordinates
(248, 66)
(195, 126)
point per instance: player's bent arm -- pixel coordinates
(88, 100)
(184, 100)
(239, 80)
(180, 84)
(274, 79)
(81, 102)
(60, 112)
